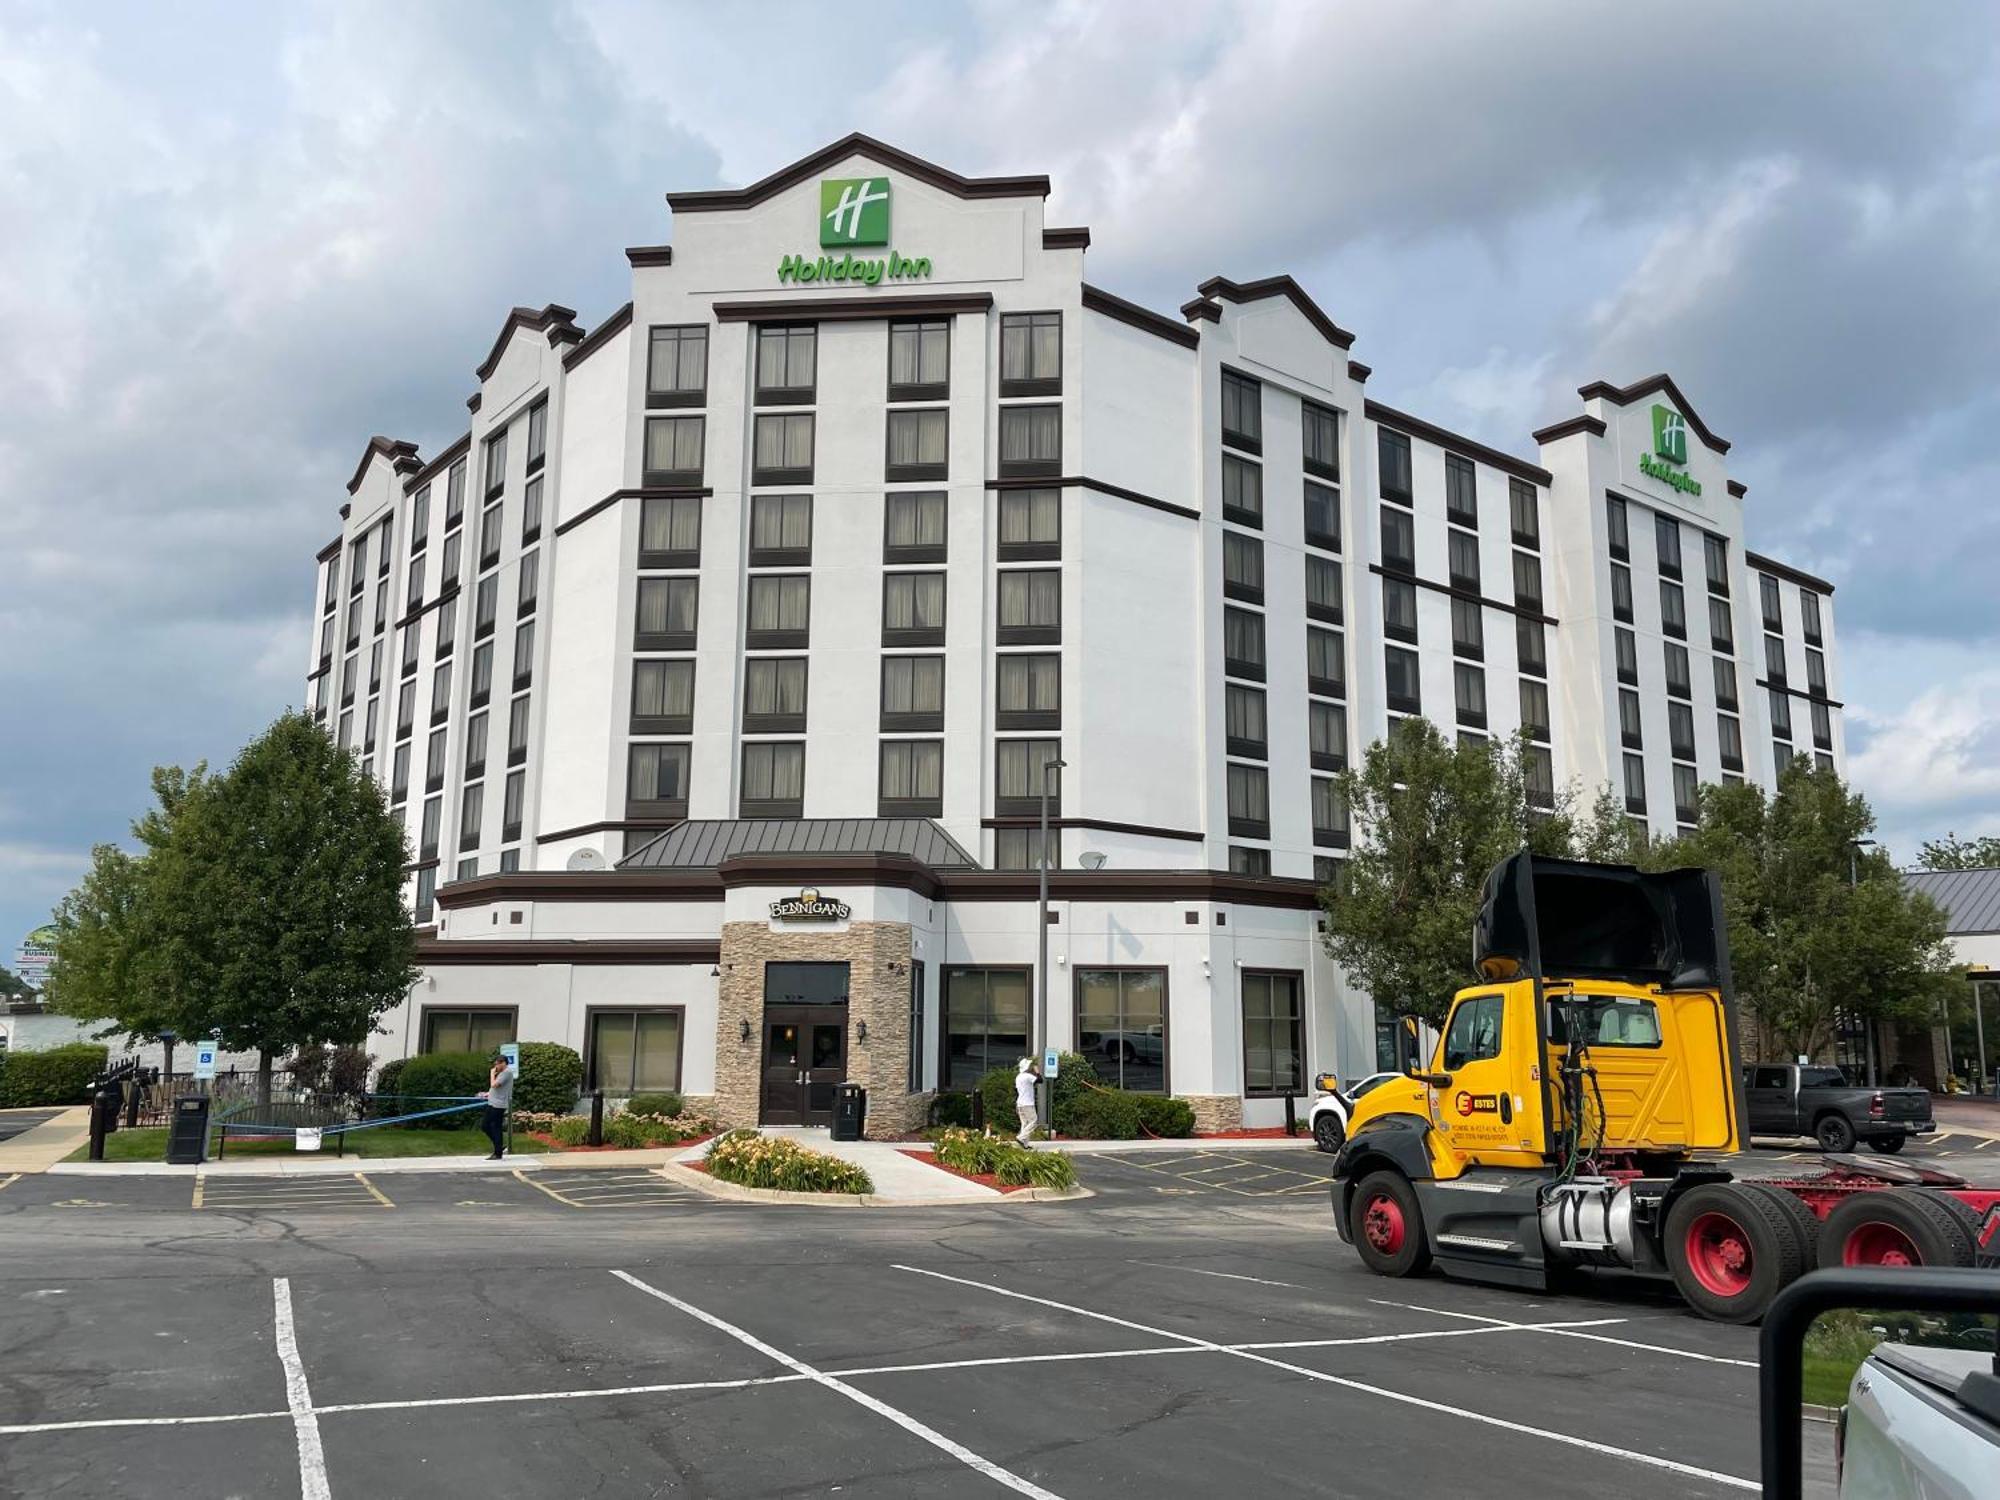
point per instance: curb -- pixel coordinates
(309, 1167)
(733, 1192)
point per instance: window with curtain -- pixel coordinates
(441, 693)
(666, 614)
(1402, 682)
(475, 747)
(670, 531)
(774, 694)
(1244, 724)
(1242, 491)
(781, 531)
(1772, 600)
(1678, 681)
(1249, 801)
(1030, 354)
(1243, 643)
(913, 526)
(1535, 709)
(1021, 848)
(471, 809)
(1323, 590)
(1462, 559)
(919, 361)
(485, 607)
(482, 673)
(1725, 683)
(1523, 504)
(489, 536)
(1468, 629)
(1030, 525)
(1322, 516)
(434, 758)
(1030, 440)
(1667, 534)
(1538, 776)
(913, 692)
(420, 523)
(634, 1051)
(1621, 592)
(1019, 773)
(913, 609)
(912, 778)
(1625, 646)
(1121, 1026)
(1635, 783)
(517, 731)
(1028, 691)
(1244, 861)
(510, 814)
(1715, 560)
(1392, 461)
(448, 563)
(1399, 539)
(1242, 412)
(1687, 794)
(985, 1023)
(782, 448)
(530, 584)
(1320, 439)
(454, 495)
(1030, 607)
(786, 361)
(677, 366)
(1527, 580)
(779, 610)
(1329, 814)
(479, 1031)
(1617, 528)
(1774, 657)
(1274, 1034)
(1721, 628)
(662, 696)
(399, 775)
(406, 707)
(1327, 727)
(1399, 609)
(774, 780)
(1631, 720)
(1680, 730)
(496, 462)
(1673, 609)
(1822, 726)
(1242, 567)
(1809, 613)
(524, 653)
(674, 449)
(1469, 693)
(1815, 671)
(658, 779)
(427, 844)
(1461, 491)
(919, 444)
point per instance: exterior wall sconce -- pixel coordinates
(744, 1035)
(861, 1031)
(715, 972)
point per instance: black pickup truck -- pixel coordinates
(1795, 1099)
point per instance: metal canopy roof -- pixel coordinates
(1969, 899)
(701, 844)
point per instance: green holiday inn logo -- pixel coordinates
(853, 212)
(1668, 460)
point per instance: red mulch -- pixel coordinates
(1264, 1133)
(555, 1145)
(984, 1179)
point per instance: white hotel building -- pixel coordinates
(794, 573)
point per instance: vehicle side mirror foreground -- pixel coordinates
(1908, 1353)
(1409, 1056)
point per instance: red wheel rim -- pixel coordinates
(1382, 1222)
(1718, 1252)
(1879, 1244)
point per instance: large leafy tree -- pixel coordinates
(1954, 853)
(12, 985)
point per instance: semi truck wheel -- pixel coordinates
(1833, 1133)
(1805, 1223)
(1894, 1227)
(1731, 1250)
(1386, 1224)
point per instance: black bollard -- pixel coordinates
(596, 1137)
(1291, 1116)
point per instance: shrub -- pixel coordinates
(432, 1077)
(54, 1075)
(551, 1075)
(1103, 1115)
(966, 1150)
(1161, 1116)
(996, 1089)
(1020, 1167)
(752, 1160)
(1076, 1079)
(952, 1108)
(667, 1104)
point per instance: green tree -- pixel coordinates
(12, 985)
(1431, 818)
(1954, 853)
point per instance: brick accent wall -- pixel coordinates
(1214, 1112)
(877, 994)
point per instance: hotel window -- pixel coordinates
(427, 841)
(1527, 580)
(782, 448)
(779, 612)
(345, 737)
(670, 531)
(510, 861)
(1322, 517)
(406, 709)
(326, 642)
(1469, 693)
(412, 648)
(454, 495)
(448, 569)
(1329, 814)
(1626, 647)
(1673, 610)
(1030, 607)
(1687, 794)
(1028, 691)
(1725, 684)
(1401, 679)
(1030, 441)
(1774, 658)
(1399, 609)
(525, 593)
(1244, 861)
(1679, 683)
(913, 526)
(774, 695)
(466, 1030)
(1729, 733)
(441, 693)
(1030, 354)
(357, 567)
(1721, 629)
(512, 798)
(1462, 559)
(1815, 671)
(919, 361)
(1680, 731)
(677, 366)
(1809, 613)
(517, 731)
(662, 697)
(485, 607)
(1399, 540)
(1326, 662)
(1523, 502)
(496, 463)
(1535, 710)
(1030, 525)
(1323, 591)
(1781, 713)
(399, 775)
(1715, 551)
(426, 893)
(1773, 602)
(381, 605)
(1468, 629)
(1617, 528)
(1320, 440)
(482, 674)
(1392, 458)
(524, 654)
(1667, 533)
(919, 445)
(531, 511)
(434, 758)
(1242, 567)
(786, 365)
(1461, 491)
(674, 450)
(375, 667)
(1121, 1026)
(985, 1022)
(1242, 643)
(1781, 756)
(1821, 761)
(913, 692)
(471, 809)
(1018, 776)
(666, 614)
(781, 531)
(1021, 848)
(1631, 728)
(475, 747)
(916, 1026)
(913, 609)
(1242, 491)
(1249, 802)
(657, 781)
(912, 779)
(332, 585)
(1242, 412)
(1822, 726)
(1245, 732)
(634, 1051)
(1635, 784)
(1327, 726)
(1621, 593)
(538, 435)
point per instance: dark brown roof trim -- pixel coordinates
(472, 401)
(1202, 307)
(422, 864)
(599, 336)
(1786, 571)
(1117, 491)
(1143, 830)
(346, 511)
(549, 320)
(329, 552)
(393, 449)
(319, 672)
(615, 825)
(852, 309)
(1144, 319)
(1653, 385)
(1277, 286)
(1357, 371)
(433, 952)
(1737, 488)
(1466, 594)
(1585, 422)
(1066, 239)
(1429, 432)
(438, 465)
(612, 499)
(808, 167)
(649, 255)
(1799, 692)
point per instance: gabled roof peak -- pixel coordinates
(557, 321)
(1274, 286)
(400, 453)
(1654, 385)
(806, 167)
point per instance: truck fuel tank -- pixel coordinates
(1588, 1222)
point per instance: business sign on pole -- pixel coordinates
(33, 957)
(204, 1059)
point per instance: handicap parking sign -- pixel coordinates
(512, 1052)
(204, 1059)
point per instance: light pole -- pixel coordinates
(1854, 848)
(1050, 768)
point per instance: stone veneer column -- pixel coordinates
(1215, 1112)
(877, 995)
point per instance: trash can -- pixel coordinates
(850, 1111)
(187, 1134)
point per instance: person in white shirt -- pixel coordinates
(1025, 1080)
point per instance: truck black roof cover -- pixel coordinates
(1567, 919)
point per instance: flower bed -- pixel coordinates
(759, 1161)
(1007, 1163)
(622, 1132)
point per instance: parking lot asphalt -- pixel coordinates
(592, 1332)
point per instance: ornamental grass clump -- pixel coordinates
(759, 1161)
(1008, 1164)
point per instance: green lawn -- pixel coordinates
(392, 1140)
(1835, 1346)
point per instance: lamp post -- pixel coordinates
(1854, 848)
(1050, 768)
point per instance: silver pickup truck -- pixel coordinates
(1921, 1421)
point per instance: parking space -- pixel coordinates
(321, 1190)
(1245, 1173)
(595, 1188)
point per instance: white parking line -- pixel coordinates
(1225, 1275)
(1571, 1333)
(860, 1397)
(298, 1396)
(1567, 1439)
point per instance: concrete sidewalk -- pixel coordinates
(42, 1147)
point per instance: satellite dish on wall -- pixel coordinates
(1091, 859)
(586, 858)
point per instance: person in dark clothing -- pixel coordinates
(499, 1096)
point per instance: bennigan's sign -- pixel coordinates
(810, 906)
(1668, 460)
(853, 213)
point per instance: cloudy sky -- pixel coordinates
(240, 238)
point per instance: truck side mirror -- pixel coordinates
(1410, 1058)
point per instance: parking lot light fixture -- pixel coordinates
(1051, 768)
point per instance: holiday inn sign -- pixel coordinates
(1668, 460)
(853, 212)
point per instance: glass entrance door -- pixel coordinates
(805, 1055)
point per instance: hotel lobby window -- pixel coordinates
(466, 1030)
(1121, 1026)
(985, 1023)
(1274, 1039)
(634, 1051)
